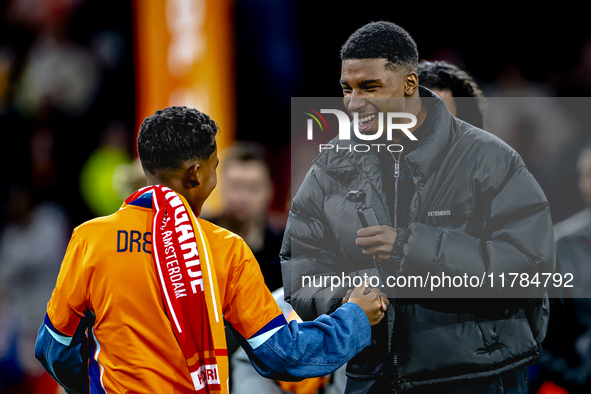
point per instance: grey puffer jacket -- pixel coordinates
(492, 217)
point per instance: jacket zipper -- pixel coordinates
(396, 177)
(417, 198)
(395, 380)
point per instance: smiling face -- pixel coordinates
(369, 86)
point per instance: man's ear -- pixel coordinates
(411, 84)
(190, 177)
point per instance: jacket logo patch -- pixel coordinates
(447, 212)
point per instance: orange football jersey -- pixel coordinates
(108, 272)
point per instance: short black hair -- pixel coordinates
(248, 151)
(383, 40)
(174, 135)
(441, 75)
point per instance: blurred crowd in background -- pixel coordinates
(68, 118)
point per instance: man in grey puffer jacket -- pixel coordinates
(458, 201)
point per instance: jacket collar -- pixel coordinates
(438, 127)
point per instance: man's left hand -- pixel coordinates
(377, 241)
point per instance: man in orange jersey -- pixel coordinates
(152, 285)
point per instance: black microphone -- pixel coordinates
(365, 213)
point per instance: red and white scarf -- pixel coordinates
(184, 266)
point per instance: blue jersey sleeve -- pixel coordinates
(64, 358)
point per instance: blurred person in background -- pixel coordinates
(566, 360)
(66, 67)
(541, 127)
(247, 192)
(57, 73)
(32, 244)
(582, 218)
(449, 82)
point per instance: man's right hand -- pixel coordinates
(371, 303)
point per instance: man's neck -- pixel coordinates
(172, 184)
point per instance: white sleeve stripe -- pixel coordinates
(64, 340)
(257, 341)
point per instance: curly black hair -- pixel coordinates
(174, 135)
(441, 75)
(383, 40)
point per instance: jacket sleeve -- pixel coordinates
(516, 236)
(309, 252)
(310, 349)
(306, 251)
